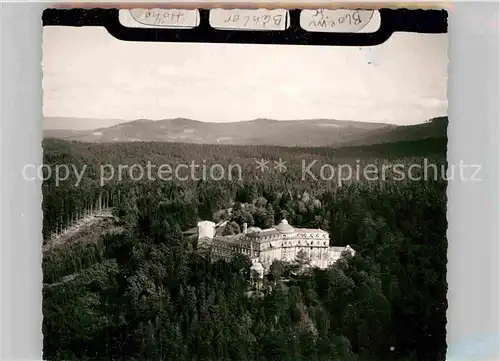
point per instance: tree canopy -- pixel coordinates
(141, 292)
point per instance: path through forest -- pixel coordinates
(84, 224)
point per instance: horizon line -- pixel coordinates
(124, 121)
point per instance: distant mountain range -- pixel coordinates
(305, 133)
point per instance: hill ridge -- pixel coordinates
(259, 131)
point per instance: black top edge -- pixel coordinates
(401, 20)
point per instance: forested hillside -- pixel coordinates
(435, 128)
(305, 132)
(142, 293)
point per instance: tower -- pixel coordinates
(206, 230)
(206, 233)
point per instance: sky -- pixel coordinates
(87, 73)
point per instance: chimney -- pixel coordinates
(245, 227)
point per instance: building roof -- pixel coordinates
(309, 230)
(206, 223)
(284, 227)
(341, 249)
(193, 230)
(254, 230)
(234, 238)
(221, 223)
(267, 232)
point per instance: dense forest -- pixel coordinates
(140, 292)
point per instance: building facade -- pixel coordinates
(282, 242)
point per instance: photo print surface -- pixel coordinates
(243, 201)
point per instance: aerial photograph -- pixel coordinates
(243, 202)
